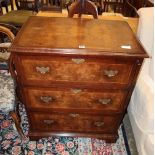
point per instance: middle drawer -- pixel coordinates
(74, 99)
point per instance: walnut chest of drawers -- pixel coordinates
(75, 76)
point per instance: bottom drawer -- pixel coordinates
(73, 122)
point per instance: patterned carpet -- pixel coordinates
(11, 144)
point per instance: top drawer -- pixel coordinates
(50, 70)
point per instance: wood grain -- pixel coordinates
(75, 90)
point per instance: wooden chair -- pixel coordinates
(25, 9)
(82, 7)
(129, 9)
(7, 85)
(6, 3)
(7, 35)
(32, 5)
(114, 5)
(51, 5)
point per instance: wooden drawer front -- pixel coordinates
(73, 122)
(78, 99)
(46, 71)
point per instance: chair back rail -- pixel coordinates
(82, 7)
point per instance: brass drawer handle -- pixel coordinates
(99, 124)
(73, 115)
(46, 99)
(78, 61)
(42, 70)
(48, 121)
(110, 73)
(105, 101)
(75, 91)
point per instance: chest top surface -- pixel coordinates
(75, 36)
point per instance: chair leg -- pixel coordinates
(6, 9)
(16, 119)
